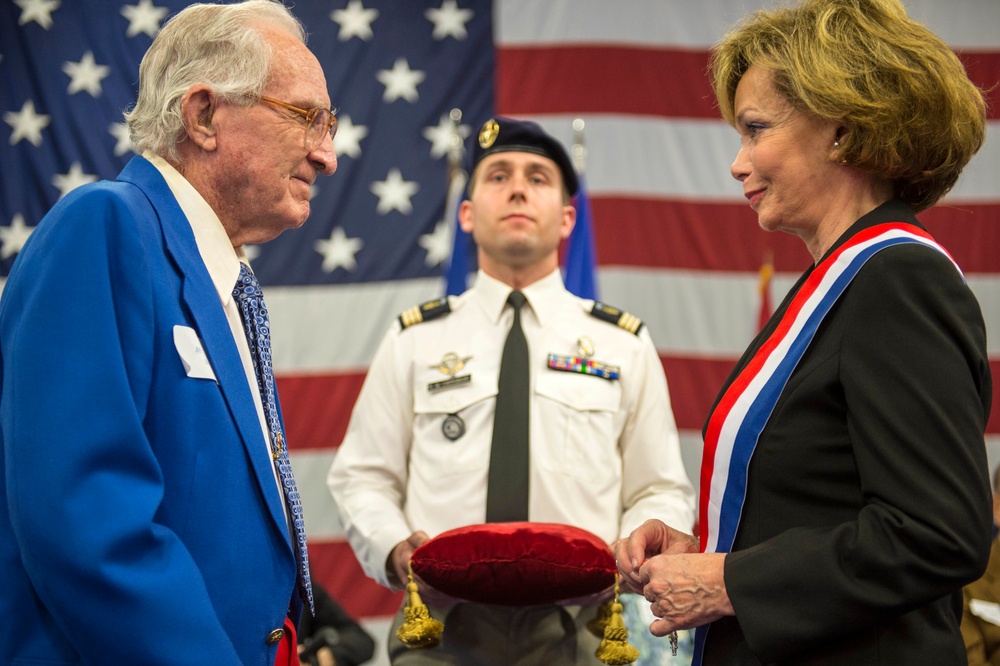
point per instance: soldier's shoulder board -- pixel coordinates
(619, 318)
(425, 312)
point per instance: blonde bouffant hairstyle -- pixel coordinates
(912, 115)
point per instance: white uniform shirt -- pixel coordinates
(605, 454)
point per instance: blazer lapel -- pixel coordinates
(202, 299)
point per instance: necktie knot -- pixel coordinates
(247, 285)
(516, 300)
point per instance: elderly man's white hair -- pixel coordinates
(218, 45)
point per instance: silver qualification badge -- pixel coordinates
(451, 363)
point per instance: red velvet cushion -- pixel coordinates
(515, 564)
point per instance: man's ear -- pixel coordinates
(465, 216)
(198, 108)
(568, 222)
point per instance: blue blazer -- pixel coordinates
(140, 521)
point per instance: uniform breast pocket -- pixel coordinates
(452, 429)
(579, 423)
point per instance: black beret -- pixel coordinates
(504, 135)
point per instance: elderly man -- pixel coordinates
(148, 514)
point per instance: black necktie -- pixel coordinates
(507, 492)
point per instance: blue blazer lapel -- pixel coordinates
(202, 299)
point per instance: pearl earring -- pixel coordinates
(836, 144)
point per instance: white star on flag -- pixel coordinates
(441, 136)
(85, 75)
(67, 182)
(14, 236)
(449, 20)
(437, 243)
(143, 17)
(354, 21)
(39, 11)
(394, 193)
(348, 139)
(400, 81)
(339, 251)
(123, 142)
(27, 124)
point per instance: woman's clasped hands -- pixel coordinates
(685, 588)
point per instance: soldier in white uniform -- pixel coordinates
(604, 451)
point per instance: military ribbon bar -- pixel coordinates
(586, 366)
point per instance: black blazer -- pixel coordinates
(868, 503)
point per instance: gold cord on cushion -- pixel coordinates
(614, 648)
(419, 629)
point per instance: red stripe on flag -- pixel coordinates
(640, 81)
(983, 68)
(669, 233)
(643, 81)
(316, 408)
(333, 565)
(701, 378)
(971, 234)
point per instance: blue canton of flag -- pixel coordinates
(68, 69)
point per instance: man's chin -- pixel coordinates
(263, 235)
(296, 220)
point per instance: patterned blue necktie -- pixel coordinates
(258, 329)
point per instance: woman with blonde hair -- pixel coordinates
(845, 493)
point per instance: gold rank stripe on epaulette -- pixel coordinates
(425, 312)
(611, 314)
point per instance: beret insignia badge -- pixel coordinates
(489, 133)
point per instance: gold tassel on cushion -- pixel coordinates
(614, 648)
(419, 629)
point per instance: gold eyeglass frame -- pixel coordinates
(310, 116)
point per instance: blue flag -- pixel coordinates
(581, 258)
(459, 266)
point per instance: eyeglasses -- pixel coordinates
(319, 122)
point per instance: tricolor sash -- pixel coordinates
(742, 413)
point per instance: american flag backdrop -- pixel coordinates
(676, 243)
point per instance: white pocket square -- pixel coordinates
(192, 354)
(986, 610)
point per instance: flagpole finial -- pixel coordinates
(579, 151)
(456, 149)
